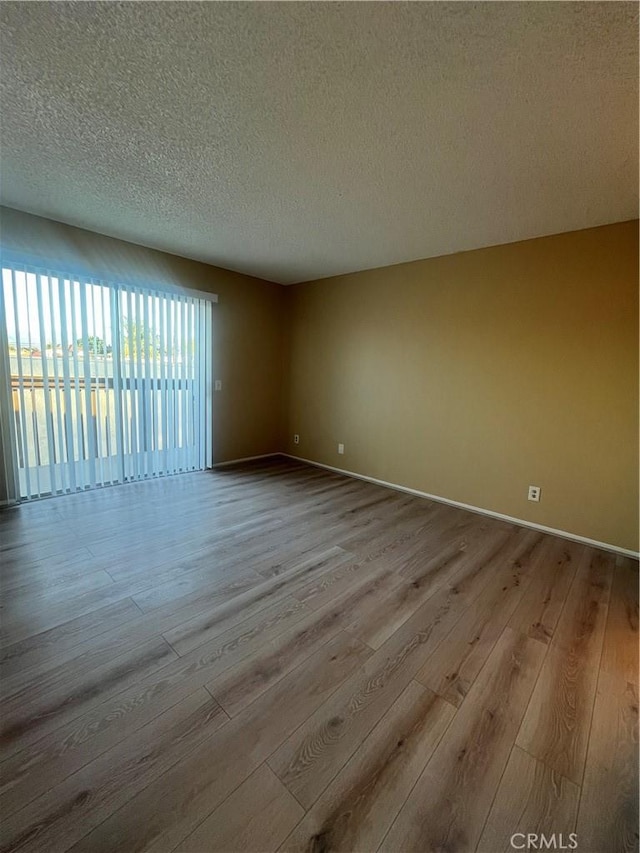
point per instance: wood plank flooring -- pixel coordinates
(275, 657)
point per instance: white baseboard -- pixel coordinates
(245, 459)
(552, 530)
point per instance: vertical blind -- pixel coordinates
(103, 383)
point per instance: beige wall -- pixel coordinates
(247, 334)
(474, 375)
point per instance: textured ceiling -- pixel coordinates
(294, 141)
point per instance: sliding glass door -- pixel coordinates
(105, 384)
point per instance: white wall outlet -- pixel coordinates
(296, 439)
(341, 448)
(534, 493)
(217, 386)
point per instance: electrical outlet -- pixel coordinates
(296, 439)
(218, 385)
(341, 448)
(534, 493)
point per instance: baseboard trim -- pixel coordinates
(564, 534)
(245, 459)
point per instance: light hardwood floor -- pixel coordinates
(274, 657)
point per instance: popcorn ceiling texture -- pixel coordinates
(293, 141)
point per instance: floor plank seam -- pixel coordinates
(176, 653)
(544, 660)
(215, 699)
(495, 794)
(593, 703)
(548, 766)
(281, 780)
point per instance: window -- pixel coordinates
(102, 383)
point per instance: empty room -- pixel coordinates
(319, 427)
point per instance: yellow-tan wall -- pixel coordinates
(247, 333)
(474, 375)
